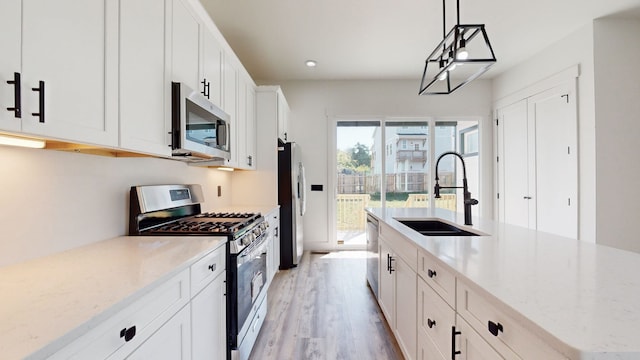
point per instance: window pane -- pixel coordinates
(459, 136)
(407, 168)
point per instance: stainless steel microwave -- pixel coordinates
(200, 130)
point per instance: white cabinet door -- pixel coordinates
(10, 18)
(386, 292)
(471, 346)
(251, 137)
(283, 118)
(211, 65)
(241, 124)
(185, 45)
(208, 321)
(230, 106)
(406, 295)
(69, 52)
(171, 342)
(435, 317)
(144, 82)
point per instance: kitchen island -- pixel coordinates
(49, 303)
(580, 299)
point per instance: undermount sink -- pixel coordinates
(436, 228)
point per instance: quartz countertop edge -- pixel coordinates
(264, 210)
(581, 298)
(49, 302)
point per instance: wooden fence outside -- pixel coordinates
(401, 182)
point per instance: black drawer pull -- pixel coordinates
(431, 273)
(17, 103)
(40, 113)
(128, 334)
(431, 323)
(454, 333)
(212, 267)
(391, 260)
(494, 328)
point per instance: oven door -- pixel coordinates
(251, 278)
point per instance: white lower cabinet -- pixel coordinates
(125, 331)
(208, 321)
(183, 318)
(435, 314)
(471, 346)
(435, 318)
(170, 342)
(397, 297)
(273, 252)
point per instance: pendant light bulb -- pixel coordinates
(462, 53)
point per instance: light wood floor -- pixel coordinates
(323, 309)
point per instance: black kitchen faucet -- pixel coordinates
(468, 201)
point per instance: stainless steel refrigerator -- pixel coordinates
(291, 198)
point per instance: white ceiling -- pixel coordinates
(384, 39)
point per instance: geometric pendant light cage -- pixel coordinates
(463, 54)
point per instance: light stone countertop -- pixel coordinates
(582, 298)
(48, 302)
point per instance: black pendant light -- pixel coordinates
(463, 54)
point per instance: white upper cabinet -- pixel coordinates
(246, 123)
(251, 134)
(145, 95)
(211, 67)
(10, 14)
(185, 45)
(283, 119)
(230, 97)
(69, 70)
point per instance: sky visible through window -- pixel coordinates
(348, 136)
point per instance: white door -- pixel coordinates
(513, 165)
(208, 321)
(171, 342)
(553, 113)
(386, 297)
(69, 50)
(144, 94)
(10, 18)
(211, 66)
(185, 46)
(406, 308)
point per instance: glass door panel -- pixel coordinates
(359, 176)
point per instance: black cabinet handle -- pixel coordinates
(128, 334)
(431, 323)
(391, 260)
(453, 342)
(431, 273)
(40, 113)
(17, 103)
(388, 262)
(494, 328)
(212, 267)
(250, 160)
(205, 87)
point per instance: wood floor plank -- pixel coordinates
(324, 310)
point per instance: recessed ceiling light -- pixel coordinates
(311, 63)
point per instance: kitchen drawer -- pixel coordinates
(427, 350)
(207, 269)
(140, 319)
(480, 312)
(471, 346)
(400, 245)
(438, 277)
(434, 311)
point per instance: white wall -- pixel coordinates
(314, 103)
(617, 112)
(54, 201)
(574, 49)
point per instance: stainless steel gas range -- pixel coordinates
(158, 210)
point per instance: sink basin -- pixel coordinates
(436, 228)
